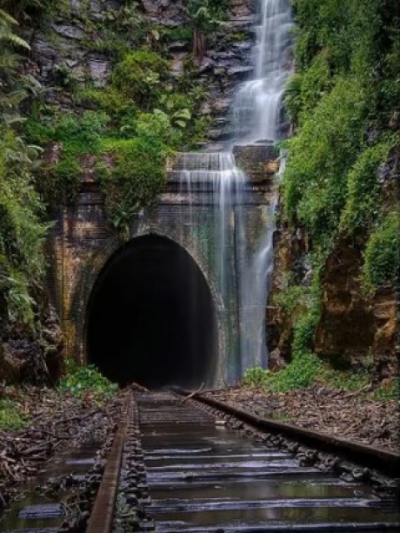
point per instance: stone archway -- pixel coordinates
(192, 313)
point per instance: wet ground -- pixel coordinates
(205, 477)
(356, 415)
(47, 508)
(64, 451)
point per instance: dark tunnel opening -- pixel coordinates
(151, 317)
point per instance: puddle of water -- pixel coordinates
(35, 510)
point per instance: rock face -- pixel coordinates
(345, 332)
(72, 51)
(354, 330)
(31, 359)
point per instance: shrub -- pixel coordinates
(301, 373)
(255, 377)
(140, 75)
(136, 178)
(81, 134)
(304, 333)
(362, 204)
(321, 154)
(84, 380)
(292, 299)
(382, 254)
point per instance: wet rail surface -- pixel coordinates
(183, 470)
(204, 477)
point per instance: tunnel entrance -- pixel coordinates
(151, 317)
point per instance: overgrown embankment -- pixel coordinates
(337, 261)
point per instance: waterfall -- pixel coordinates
(256, 116)
(257, 104)
(213, 178)
(216, 180)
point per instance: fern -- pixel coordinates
(6, 33)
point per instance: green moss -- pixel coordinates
(362, 203)
(388, 392)
(382, 254)
(135, 179)
(11, 416)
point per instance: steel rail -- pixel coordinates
(362, 454)
(102, 515)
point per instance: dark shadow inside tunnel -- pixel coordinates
(151, 317)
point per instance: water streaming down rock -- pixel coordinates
(243, 267)
(216, 179)
(256, 117)
(256, 109)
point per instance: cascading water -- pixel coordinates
(256, 117)
(257, 104)
(214, 178)
(215, 175)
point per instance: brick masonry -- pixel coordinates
(82, 243)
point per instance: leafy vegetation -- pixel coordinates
(381, 258)
(11, 416)
(341, 100)
(340, 185)
(136, 177)
(87, 380)
(21, 229)
(122, 132)
(307, 370)
(388, 391)
(256, 376)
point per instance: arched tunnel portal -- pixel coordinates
(151, 318)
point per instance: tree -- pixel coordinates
(202, 21)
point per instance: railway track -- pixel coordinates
(176, 466)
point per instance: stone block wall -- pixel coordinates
(82, 243)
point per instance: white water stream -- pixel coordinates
(258, 101)
(256, 113)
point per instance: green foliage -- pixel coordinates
(388, 392)
(11, 416)
(255, 377)
(158, 126)
(7, 35)
(67, 179)
(302, 372)
(175, 33)
(140, 76)
(341, 100)
(382, 253)
(321, 155)
(84, 380)
(136, 178)
(362, 203)
(21, 231)
(350, 380)
(292, 299)
(304, 332)
(78, 134)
